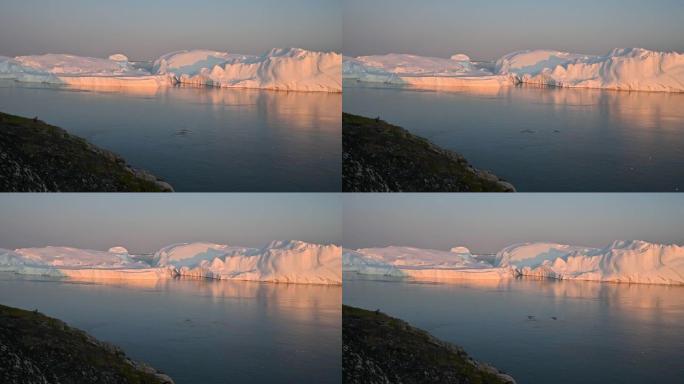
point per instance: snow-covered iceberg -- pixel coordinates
(77, 263)
(632, 69)
(280, 261)
(419, 71)
(422, 264)
(353, 261)
(78, 71)
(534, 61)
(290, 69)
(620, 262)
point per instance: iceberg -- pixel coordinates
(193, 61)
(77, 264)
(530, 254)
(290, 69)
(77, 65)
(421, 264)
(353, 261)
(628, 69)
(533, 61)
(412, 64)
(119, 250)
(78, 71)
(416, 257)
(118, 57)
(422, 72)
(620, 262)
(279, 262)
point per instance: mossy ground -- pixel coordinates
(379, 348)
(381, 157)
(39, 347)
(40, 157)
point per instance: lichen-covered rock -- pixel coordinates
(36, 349)
(380, 157)
(37, 157)
(381, 349)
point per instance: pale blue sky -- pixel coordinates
(147, 29)
(146, 222)
(489, 222)
(490, 29)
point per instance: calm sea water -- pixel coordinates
(546, 139)
(202, 331)
(603, 333)
(200, 138)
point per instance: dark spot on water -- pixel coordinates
(183, 132)
(527, 131)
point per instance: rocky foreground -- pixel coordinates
(380, 157)
(36, 349)
(38, 157)
(379, 349)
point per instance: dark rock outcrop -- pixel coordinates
(380, 157)
(38, 157)
(379, 349)
(36, 349)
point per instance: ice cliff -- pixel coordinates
(280, 261)
(630, 69)
(620, 262)
(290, 69)
(418, 71)
(424, 264)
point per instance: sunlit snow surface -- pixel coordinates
(290, 69)
(620, 262)
(280, 261)
(633, 69)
